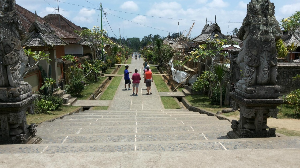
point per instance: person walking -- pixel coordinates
(136, 77)
(148, 79)
(145, 64)
(126, 77)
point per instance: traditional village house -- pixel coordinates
(292, 38)
(77, 46)
(41, 36)
(208, 33)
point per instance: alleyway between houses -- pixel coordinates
(136, 131)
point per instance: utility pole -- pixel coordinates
(101, 32)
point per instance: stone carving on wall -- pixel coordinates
(15, 95)
(256, 92)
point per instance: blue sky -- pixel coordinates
(141, 18)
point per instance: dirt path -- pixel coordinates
(289, 124)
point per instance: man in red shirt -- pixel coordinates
(136, 77)
(148, 80)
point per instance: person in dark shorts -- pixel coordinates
(148, 80)
(126, 77)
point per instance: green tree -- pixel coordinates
(291, 23)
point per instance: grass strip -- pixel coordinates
(100, 108)
(160, 84)
(110, 91)
(39, 118)
(168, 102)
(90, 89)
(121, 70)
(203, 102)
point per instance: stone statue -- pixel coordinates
(256, 93)
(258, 57)
(12, 57)
(15, 95)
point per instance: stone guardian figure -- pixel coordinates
(258, 57)
(15, 95)
(256, 93)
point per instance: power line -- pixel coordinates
(148, 15)
(109, 25)
(139, 23)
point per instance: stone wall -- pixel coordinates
(286, 72)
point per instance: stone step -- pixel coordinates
(128, 123)
(186, 92)
(135, 113)
(93, 119)
(144, 111)
(70, 101)
(132, 137)
(131, 129)
(190, 145)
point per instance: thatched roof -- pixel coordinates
(41, 34)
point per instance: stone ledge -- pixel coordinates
(196, 109)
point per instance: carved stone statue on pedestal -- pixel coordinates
(257, 93)
(15, 95)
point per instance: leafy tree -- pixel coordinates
(95, 38)
(291, 23)
(235, 31)
(282, 50)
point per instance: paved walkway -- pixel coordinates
(124, 100)
(136, 131)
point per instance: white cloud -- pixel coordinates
(290, 9)
(218, 4)
(165, 9)
(50, 10)
(242, 5)
(85, 15)
(130, 5)
(201, 1)
(140, 19)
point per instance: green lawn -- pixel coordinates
(287, 111)
(110, 91)
(110, 70)
(99, 108)
(203, 102)
(168, 102)
(90, 89)
(39, 118)
(160, 84)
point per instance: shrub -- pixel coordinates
(46, 104)
(215, 98)
(293, 99)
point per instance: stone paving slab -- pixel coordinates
(110, 138)
(92, 103)
(91, 119)
(222, 144)
(59, 130)
(180, 146)
(128, 123)
(171, 94)
(134, 116)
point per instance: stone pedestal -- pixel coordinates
(253, 117)
(13, 125)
